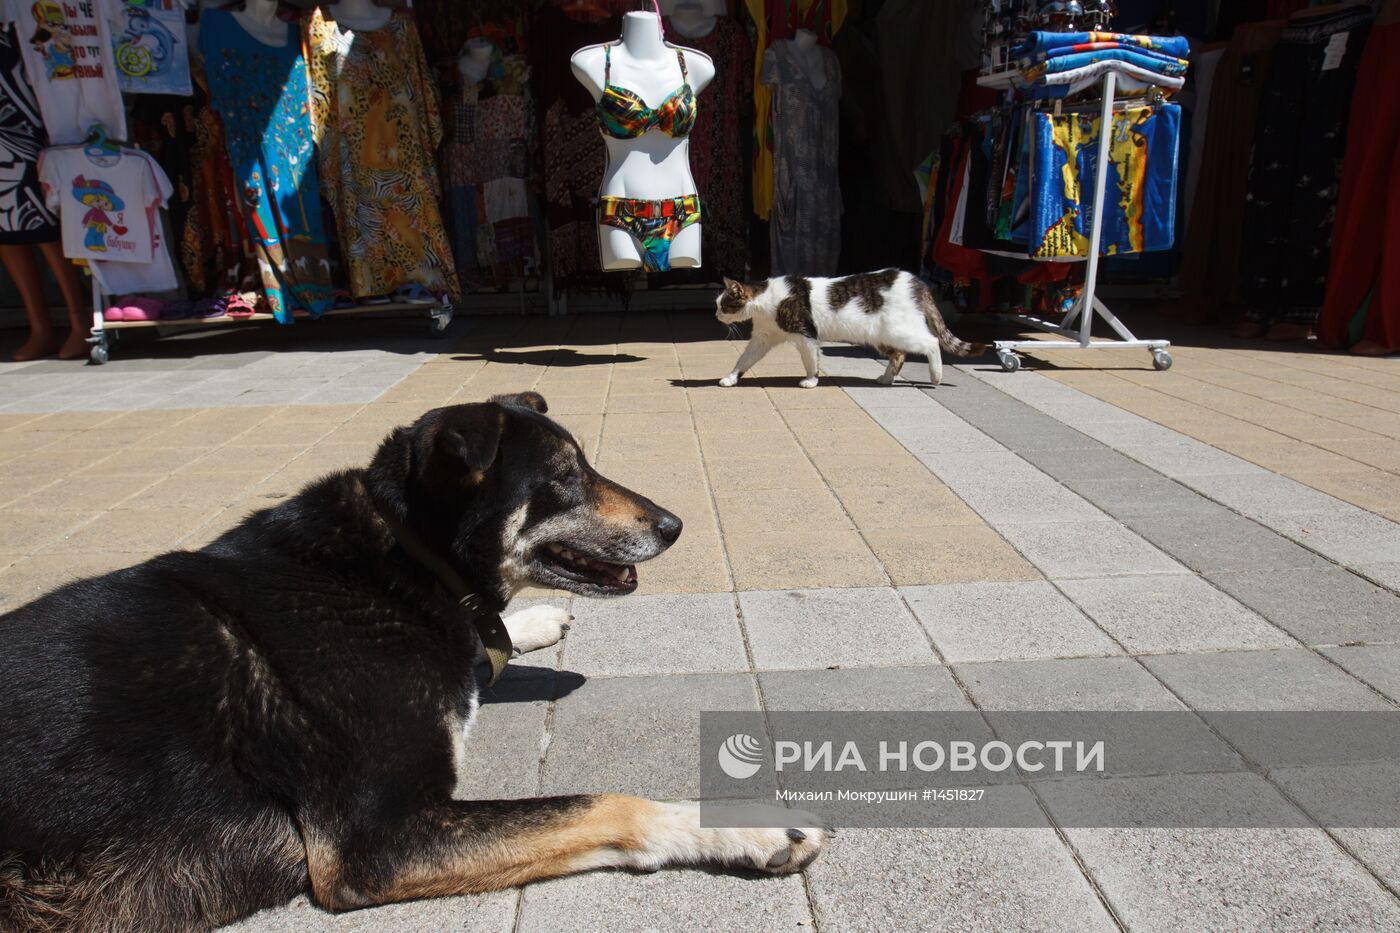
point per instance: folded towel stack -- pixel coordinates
(1058, 64)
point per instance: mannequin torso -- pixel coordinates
(259, 19)
(360, 15)
(654, 165)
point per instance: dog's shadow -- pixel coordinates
(524, 683)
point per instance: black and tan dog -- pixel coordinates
(212, 732)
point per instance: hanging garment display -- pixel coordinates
(102, 199)
(571, 145)
(24, 217)
(1293, 176)
(1210, 249)
(1140, 192)
(486, 166)
(1362, 305)
(375, 111)
(67, 53)
(185, 136)
(149, 47)
(718, 147)
(776, 20)
(805, 228)
(260, 91)
(109, 203)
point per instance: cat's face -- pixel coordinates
(732, 305)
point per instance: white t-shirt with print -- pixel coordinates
(104, 202)
(67, 53)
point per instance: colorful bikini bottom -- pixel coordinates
(653, 224)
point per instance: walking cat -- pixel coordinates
(890, 311)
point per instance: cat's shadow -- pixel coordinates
(784, 382)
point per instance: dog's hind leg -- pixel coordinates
(462, 846)
(537, 627)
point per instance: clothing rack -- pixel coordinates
(105, 333)
(1088, 305)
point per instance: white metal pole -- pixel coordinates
(1091, 273)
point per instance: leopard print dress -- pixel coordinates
(374, 111)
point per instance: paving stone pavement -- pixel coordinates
(1043, 540)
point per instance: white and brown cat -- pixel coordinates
(890, 311)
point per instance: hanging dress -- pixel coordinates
(24, 218)
(375, 111)
(260, 92)
(805, 225)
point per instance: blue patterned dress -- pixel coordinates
(260, 93)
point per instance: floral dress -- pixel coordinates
(260, 92)
(375, 112)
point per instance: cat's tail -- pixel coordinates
(946, 339)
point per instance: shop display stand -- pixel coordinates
(1087, 306)
(105, 333)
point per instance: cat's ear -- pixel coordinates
(737, 289)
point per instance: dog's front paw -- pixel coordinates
(730, 380)
(767, 838)
(788, 850)
(537, 627)
(809, 383)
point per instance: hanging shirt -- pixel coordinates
(67, 53)
(148, 43)
(106, 203)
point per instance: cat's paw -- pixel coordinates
(809, 383)
(885, 381)
(730, 380)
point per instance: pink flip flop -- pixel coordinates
(143, 309)
(114, 313)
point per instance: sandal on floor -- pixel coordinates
(415, 295)
(239, 307)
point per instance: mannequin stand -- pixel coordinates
(1087, 306)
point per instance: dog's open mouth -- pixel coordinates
(601, 575)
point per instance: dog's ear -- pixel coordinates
(527, 399)
(471, 441)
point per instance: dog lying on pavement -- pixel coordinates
(211, 733)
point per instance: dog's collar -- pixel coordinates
(494, 637)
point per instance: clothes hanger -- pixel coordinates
(97, 144)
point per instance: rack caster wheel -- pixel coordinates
(97, 355)
(1010, 362)
(1161, 360)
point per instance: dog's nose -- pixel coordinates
(668, 527)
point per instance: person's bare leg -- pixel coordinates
(19, 263)
(79, 317)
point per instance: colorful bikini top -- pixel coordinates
(622, 114)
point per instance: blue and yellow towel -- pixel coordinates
(1140, 195)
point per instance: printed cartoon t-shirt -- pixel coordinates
(67, 54)
(104, 201)
(148, 42)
